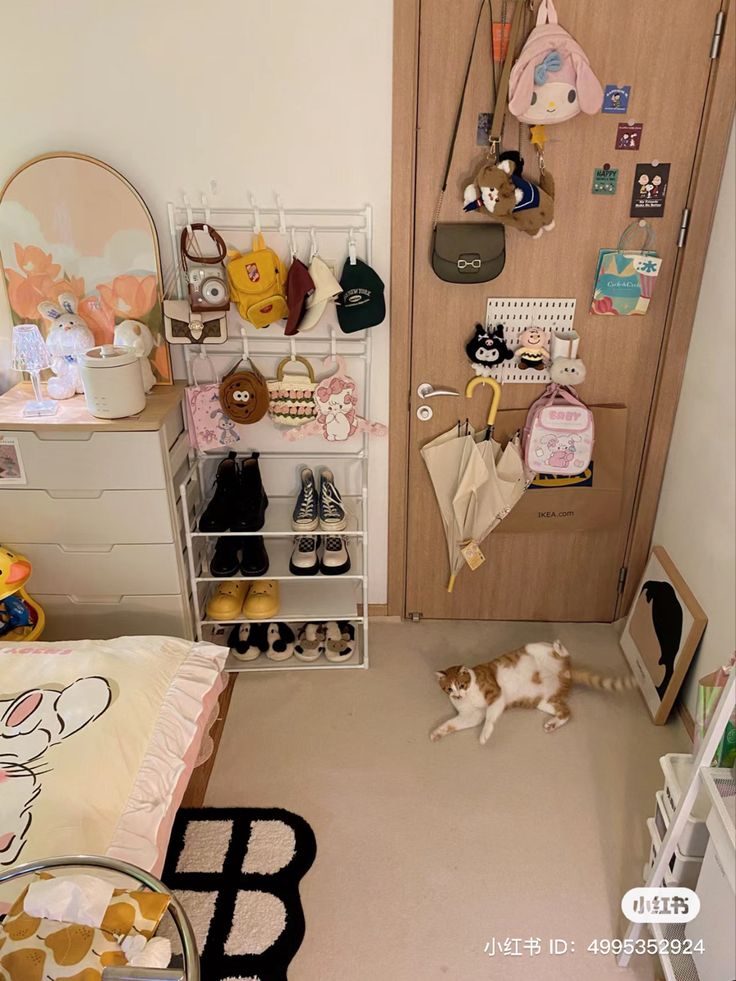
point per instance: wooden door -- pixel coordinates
(663, 54)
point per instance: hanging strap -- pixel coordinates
(494, 138)
(499, 94)
(459, 112)
(547, 13)
(635, 226)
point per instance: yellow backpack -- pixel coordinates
(257, 284)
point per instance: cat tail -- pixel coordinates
(590, 680)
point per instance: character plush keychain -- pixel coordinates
(487, 349)
(512, 199)
(336, 398)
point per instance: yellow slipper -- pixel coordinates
(226, 602)
(262, 601)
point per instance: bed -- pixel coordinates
(98, 740)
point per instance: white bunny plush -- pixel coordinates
(69, 337)
(132, 333)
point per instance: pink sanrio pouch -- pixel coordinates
(559, 433)
(207, 425)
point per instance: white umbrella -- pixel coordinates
(476, 480)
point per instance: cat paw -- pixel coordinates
(484, 737)
(439, 733)
(553, 724)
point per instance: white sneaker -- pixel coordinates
(304, 561)
(335, 559)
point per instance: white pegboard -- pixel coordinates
(516, 314)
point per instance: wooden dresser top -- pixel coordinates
(73, 414)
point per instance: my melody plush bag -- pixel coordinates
(625, 277)
(552, 80)
(256, 281)
(559, 433)
(291, 393)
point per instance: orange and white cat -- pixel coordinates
(534, 676)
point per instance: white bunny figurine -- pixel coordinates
(132, 333)
(69, 337)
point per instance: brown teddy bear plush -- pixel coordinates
(512, 199)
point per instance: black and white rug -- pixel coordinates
(236, 871)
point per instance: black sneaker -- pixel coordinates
(220, 511)
(225, 561)
(306, 512)
(335, 559)
(254, 557)
(304, 561)
(331, 511)
(252, 501)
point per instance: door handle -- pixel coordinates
(427, 391)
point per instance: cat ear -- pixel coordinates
(439, 675)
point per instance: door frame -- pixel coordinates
(702, 197)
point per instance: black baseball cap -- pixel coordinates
(362, 303)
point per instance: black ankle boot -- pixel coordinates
(252, 500)
(221, 509)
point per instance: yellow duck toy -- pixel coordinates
(21, 618)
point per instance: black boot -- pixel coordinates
(226, 560)
(221, 509)
(252, 501)
(254, 557)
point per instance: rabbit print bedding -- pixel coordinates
(98, 739)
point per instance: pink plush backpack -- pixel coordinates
(558, 435)
(552, 80)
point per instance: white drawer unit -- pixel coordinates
(97, 516)
(103, 571)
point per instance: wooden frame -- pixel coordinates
(403, 167)
(196, 790)
(708, 169)
(669, 594)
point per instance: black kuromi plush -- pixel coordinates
(487, 349)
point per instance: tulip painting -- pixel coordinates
(70, 224)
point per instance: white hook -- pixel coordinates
(256, 215)
(207, 214)
(352, 248)
(313, 239)
(282, 215)
(292, 345)
(190, 215)
(292, 235)
(246, 349)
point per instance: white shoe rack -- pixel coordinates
(721, 785)
(302, 598)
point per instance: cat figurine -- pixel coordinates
(534, 676)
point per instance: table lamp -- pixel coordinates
(30, 354)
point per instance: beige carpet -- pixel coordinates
(425, 852)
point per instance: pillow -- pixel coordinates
(32, 949)
(141, 911)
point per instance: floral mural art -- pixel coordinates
(53, 241)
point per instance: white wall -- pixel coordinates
(695, 521)
(260, 97)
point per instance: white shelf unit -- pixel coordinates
(682, 967)
(302, 598)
